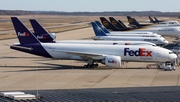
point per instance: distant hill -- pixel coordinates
(116, 13)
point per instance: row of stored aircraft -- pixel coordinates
(156, 21)
(103, 34)
(163, 28)
(109, 53)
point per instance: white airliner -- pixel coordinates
(110, 55)
(168, 23)
(164, 22)
(101, 35)
(164, 31)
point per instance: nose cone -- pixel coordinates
(172, 56)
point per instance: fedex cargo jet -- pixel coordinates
(109, 55)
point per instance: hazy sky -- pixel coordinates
(91, 5)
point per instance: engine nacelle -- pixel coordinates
(112, 61)
(53, 35)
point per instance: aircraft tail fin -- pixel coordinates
(23, 34)
(37, 27)
(115, 22)
(156, 20)
(133, 21)
(151, 20)
(130, 20)
(97, 30)
(102, 27)
(40, 32)
(107, 24)
(122, 23)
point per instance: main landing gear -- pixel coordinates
(91, 64)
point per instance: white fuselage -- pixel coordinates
(164, 31)
(168, 23)
(131, 32)
(106, 42)
(134, 35)
(99, 52)
(155, 40)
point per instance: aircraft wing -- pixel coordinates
(84, 54)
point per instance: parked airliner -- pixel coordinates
(110, 55)
(101, 35)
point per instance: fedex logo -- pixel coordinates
(41, 37)
(112, 61)
(23, 34)
(141, 52)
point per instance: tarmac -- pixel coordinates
(67, 80)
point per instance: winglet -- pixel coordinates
(23, 34)
(97, 30)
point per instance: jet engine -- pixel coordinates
(112, 61)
